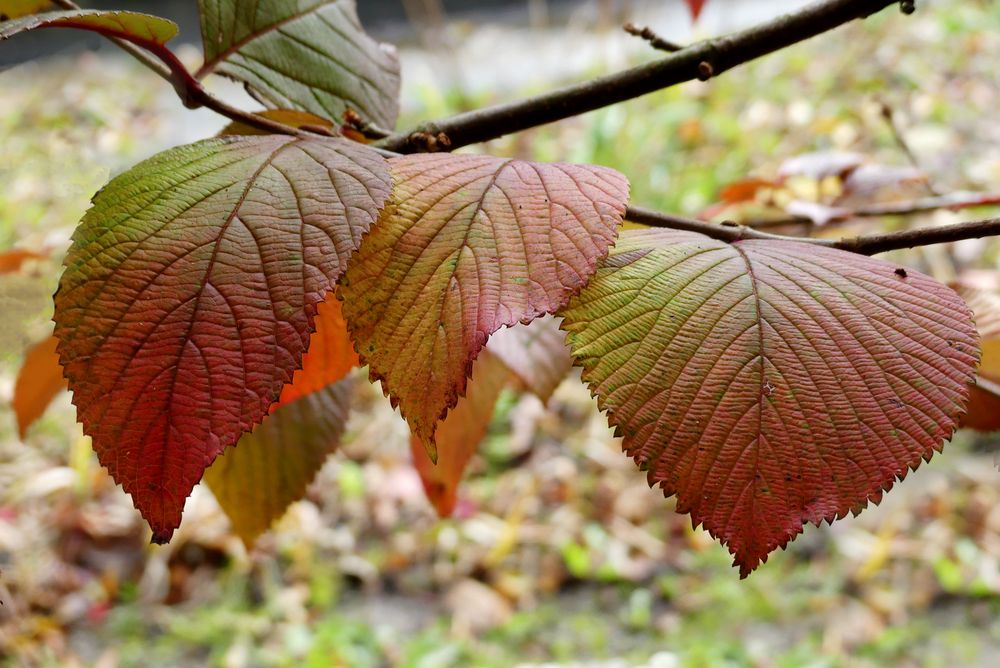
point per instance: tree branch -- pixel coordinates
(869, 244)
(165, 64)
(953, 202)
(698, 61)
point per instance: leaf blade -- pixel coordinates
(38, 382)
(141, 29)
(189, 296)
(459, 435)
(722, 364)
(429, 285)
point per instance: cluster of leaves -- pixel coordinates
(237, 280)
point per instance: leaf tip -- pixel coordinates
(161, 536)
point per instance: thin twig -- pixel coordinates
(698, 61)
(869, 244)
(655, 41)
(952, 202)
(889, 116)
(163, 61)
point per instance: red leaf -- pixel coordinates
(769, 383)
(12, 260)
(189, 295)
(695, 7)
(38, 382)
(470, 244)
(744, 190)
(459, 434)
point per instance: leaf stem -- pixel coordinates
(163, 61)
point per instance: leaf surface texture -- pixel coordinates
(768, 384)
(189, 297)
(470, 244)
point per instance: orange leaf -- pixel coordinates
(11, 261)
(460, 433)
(743, 190)
(330, 356)
(290, 117)
(38, 382)
(983, 412)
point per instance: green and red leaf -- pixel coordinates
(468, 245)
(311, 55)
(142, 29)
(271, 467)
(768, 384)
(190, 293)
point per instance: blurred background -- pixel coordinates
(559, 554)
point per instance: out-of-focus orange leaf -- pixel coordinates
(291, 117)
(38, 382)
(460, 433)
(744, 190)
(11, 261)
(330, 356)
(984, 402)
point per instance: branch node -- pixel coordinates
(907, 6)
(705, 70)
(429, 142)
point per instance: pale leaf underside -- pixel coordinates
(311, 55)
(769, 384)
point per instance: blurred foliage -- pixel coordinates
(559, 551)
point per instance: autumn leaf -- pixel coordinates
(460, 433)
(39, 380)
(768, 384)
(12, 260)
(271, 467)
(189, 297)
(141, 29)
(469, 244)
(311, 55)
(289, 117)
(330, 356)
(984, 403)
